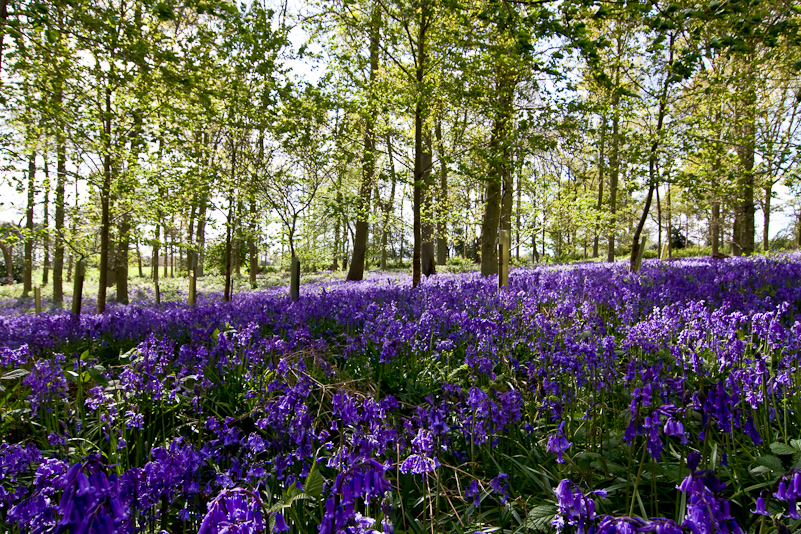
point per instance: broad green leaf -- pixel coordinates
(771, 462)
(539, 518)
(781, 448)
(314, 482)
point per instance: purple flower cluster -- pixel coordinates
(326, 413)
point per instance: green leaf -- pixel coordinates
(539, 518)
(781, 448)
(771, 462)
(314, 482)
(16, 373)
(760, 470)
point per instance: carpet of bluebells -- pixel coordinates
(582, 399)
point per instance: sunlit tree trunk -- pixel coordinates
(27, 276)
(356, 271)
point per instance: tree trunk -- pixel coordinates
(614, 172)
(419, 149)
(61, 178)
(105, 208)
(517, 210)
(744, 230)
(653, 160)
(253, 257)
(356, 271)
(200, 238)
(766, 217)
(123, 244)
(427, 257)
(442, 203)
(154, 262)
(46, 224)
(389, 205)
(714, 227)
(8, 258)
(139, 258)
(238, 238)
(601, 178)
(498, 200)
(227, 294)
(27, 276)
(658, 223)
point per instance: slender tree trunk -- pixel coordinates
(614, 172)
(498, 199)
(228, 280)
(237, 258)
(155, 260)
(335, 262)
(442, 203)
(200, 238)
(356, 271)
(427, 257)
(517, 210)
(669, 223)
(139, 258)
(653, 160)
(744, 230)
(252, 251)
(419, 149)
(61, 178)
(46, 224)
(123, 246)
(105, 209)
(658, 222)
(601, 179)
(27, 277)
(8, 258)
(766, 217)
(389, 205)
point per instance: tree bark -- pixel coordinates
(766, 218)
(8, 258)
(154, 262)
(442, 203)
(46, 224)
(228, 280)
(498, 198)
(105, 208)
(61, 178)
(614, 172)
(237, 255)
(427, 258)
(419, 161)
(744, 228)
(200, 238)
(123, 245)
(601, 178)
(389, 205)
(139, 259)
(27, 276)
(356, 271)
(653, 160)
(253, 259)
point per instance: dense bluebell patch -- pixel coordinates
(584, 399)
